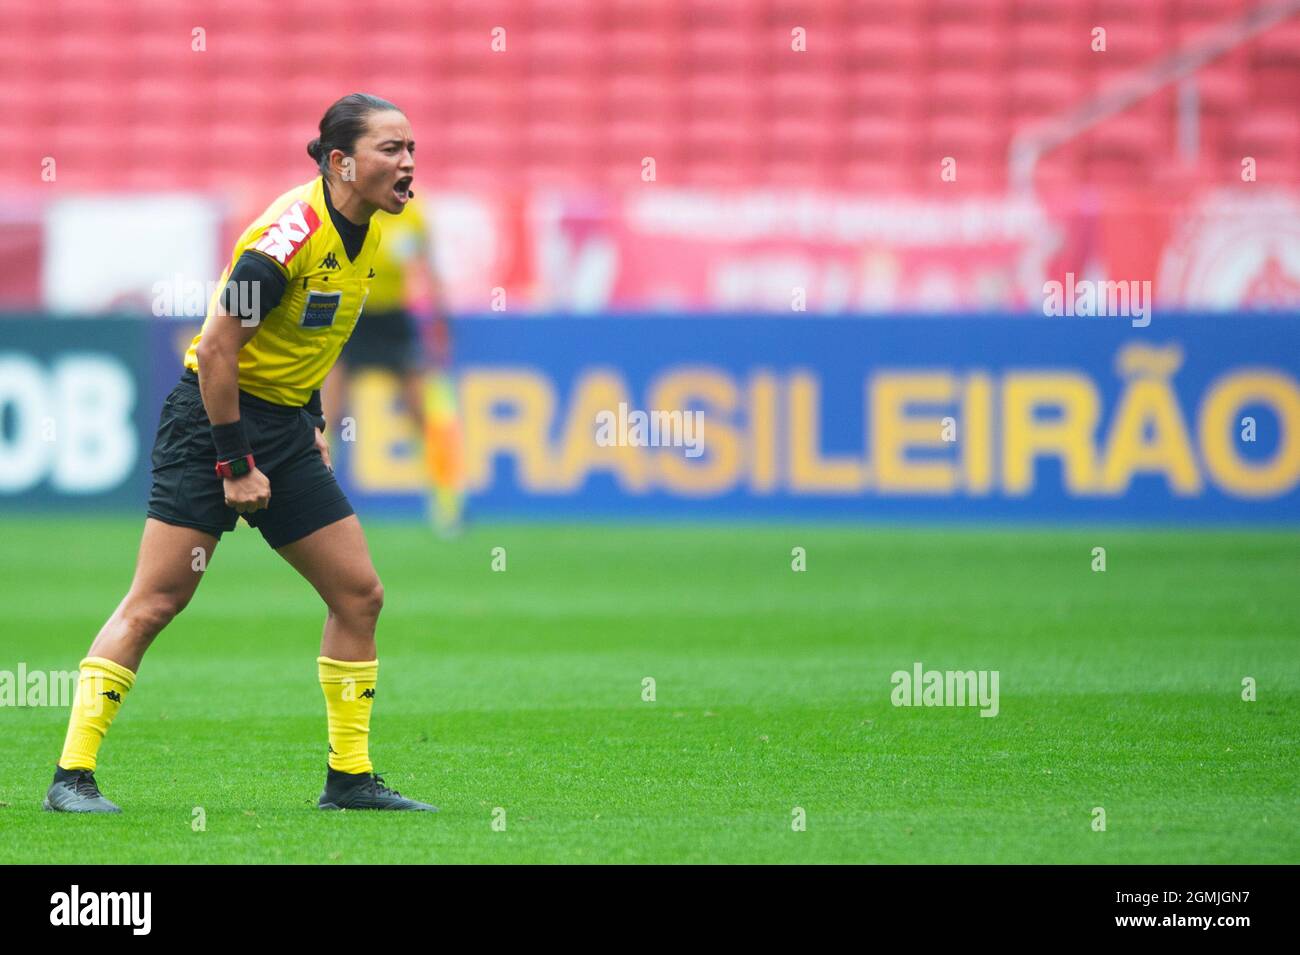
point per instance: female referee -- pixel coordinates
(241, 434)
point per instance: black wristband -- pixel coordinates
(230, 440)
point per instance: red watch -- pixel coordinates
(235, 467)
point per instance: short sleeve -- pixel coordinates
(282, 240)
(253, 270)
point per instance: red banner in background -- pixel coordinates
(664, 249)
(22, 239)
(1233, 248)
(1203, 249)
(818, 253)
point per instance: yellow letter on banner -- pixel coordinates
(523, 433)
(596, 391)
(809, 471)
(893, 431)
(1069, 437)
(1218, 424)
(718, 469)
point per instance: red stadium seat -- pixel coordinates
(556, 141)
(1119, 150)
(1153, 13)
(969, 11)
(22, 57)
(562, 98)
(484, 15)
(1043, 92)
(731, 14)
(905, 13)
(632, 96)
(563, 15)
(478, 175)
(485, 98)
(805, 139)
(637, 137)
(622, 173)
(968, 140)
(236, 99)
(1054, 44)
(883, 87)
(467, 51)
(659, 15)
(78, 101)
(876, 46)
(792, 174)
(1209, 10)
(711, 174)
(302, 51)
(640, 50)
(976, 46)
(1222, 89)
(875, 173)
(817, 16)
(804, 94)
(880, 136)
(893, 94)
(737, 140)
(721, 96)
(1130, 44)
(410, 53)
(1279, 46)
(969, 93)
(568, 51)
(1274, 135)
(724, 50)
(1064, 13)
(1058, 171)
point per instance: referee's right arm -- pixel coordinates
(254, 279)
(218, 360)
(218, 354)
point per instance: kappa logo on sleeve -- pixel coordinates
(290, 232)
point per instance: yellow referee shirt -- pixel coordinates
(300, 339)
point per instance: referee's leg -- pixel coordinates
(171, 562)
(336, 561)
(170, 565)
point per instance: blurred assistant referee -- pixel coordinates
(241, 434)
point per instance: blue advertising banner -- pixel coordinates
(1190, 419)
(76, 414)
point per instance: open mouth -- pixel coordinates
(402, 189)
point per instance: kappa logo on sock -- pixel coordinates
(112, 695)
(368, 694)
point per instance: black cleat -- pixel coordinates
(364, 791)
(74, 790)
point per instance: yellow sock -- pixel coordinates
(349, 688)
(102, 685)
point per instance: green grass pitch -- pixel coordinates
(522, 690)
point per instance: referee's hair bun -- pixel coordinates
(342, 125)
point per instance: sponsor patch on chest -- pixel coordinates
(319, 309)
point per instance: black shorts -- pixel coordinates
(187, 490)
(384, 340)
